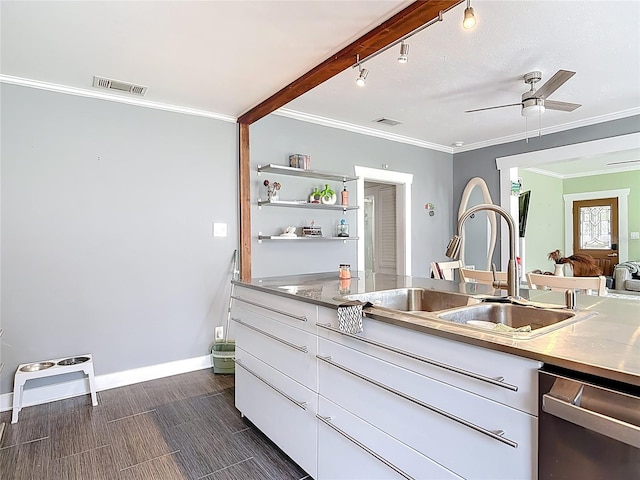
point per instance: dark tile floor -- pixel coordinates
(174, 428)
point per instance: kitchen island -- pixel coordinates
(411, 396)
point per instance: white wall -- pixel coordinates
(107, 245)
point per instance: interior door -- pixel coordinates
(595, 231)
(380, 227)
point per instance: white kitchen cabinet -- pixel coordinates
(280, 407)
(288, 349)
(294, 313)
(389, 402)
(351, 449)
(276, 371)
(436, 419)
(504, 378)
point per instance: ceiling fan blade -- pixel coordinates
(491, 108)
(564, 106)
(554, 83)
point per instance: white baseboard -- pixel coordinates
(59, 391)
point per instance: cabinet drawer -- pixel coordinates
(472, 436)
(282, 409)
(290, 350)
(293, 312)
(350, 448)
(502, 377)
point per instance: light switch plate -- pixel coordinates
(219, 229)
(635, 235)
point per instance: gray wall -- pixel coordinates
(482, 162)
(275, 137)
(107, 245)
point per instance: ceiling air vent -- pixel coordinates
(388, 121)
(110, 84)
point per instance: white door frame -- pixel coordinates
(508, 171)
(403, 182)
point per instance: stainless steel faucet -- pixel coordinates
(453, 249)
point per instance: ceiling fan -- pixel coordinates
(534, 102)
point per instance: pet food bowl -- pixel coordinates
(35, 367)
(73, 361)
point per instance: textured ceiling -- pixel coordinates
(451, 70)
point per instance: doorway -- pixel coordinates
(595, 231)
(508, 167)
(380, 227)
(402, 183)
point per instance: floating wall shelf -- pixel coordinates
(305, 204)
(303, 238)
(299, 172)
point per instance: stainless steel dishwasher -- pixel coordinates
(589, 428)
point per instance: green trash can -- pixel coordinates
(224, 354)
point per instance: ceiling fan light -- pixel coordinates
(469, 18)
(404, 53)
(362, 78)
(532, 107)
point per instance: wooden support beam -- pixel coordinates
(244, 189)
(401, 24)
(404, 22)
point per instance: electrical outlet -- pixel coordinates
(219, 333)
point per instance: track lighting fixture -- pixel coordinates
(363, 72)
(362, 78)
(469, 17)
(404, 46)
(404, 52)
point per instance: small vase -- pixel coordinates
(329, 199)
(559, 270)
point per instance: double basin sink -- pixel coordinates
(521, 320)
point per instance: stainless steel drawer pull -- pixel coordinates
(267, 334)
(302, 318)
(327, 421)
(302, 405)
(498, 381)
(437, 410)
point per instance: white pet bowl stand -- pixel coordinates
(22, 376)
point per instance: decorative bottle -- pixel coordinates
(345, 196)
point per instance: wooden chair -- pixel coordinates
(468, 275)
(445, 270)
(588, 285)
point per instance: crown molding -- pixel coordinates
(316, 119)
(81, 92)
(328, 122)
(546, 173)
(591, 173)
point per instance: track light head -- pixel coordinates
(469, 17)
(404, 53)
(362, 78)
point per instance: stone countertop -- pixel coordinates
(606, 344)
